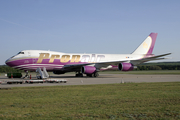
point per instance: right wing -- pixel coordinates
(158, 57)
(115, 63)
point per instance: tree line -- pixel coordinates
(158, 67)
(6, 69)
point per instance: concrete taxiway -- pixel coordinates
(102, 79)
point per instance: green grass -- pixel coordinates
(113, 101)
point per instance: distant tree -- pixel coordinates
(6, 69)
(155, 68)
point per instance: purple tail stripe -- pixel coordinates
(153, 37)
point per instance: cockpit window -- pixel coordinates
(21, 53)
(18, 54)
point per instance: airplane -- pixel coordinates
(89, 64)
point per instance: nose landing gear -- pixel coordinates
(27, 75)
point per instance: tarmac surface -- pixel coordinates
(102, 79)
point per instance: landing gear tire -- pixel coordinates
(89, 75)
(96, 74)
(79, 75)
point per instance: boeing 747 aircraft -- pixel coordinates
(89, 64)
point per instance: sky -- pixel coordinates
(88, 26)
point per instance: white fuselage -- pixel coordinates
(32, 59)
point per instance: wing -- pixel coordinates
(158, 57)
(115, 63)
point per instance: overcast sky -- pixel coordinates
(88, 26)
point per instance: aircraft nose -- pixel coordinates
(8, 62)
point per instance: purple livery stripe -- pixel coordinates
(153, 37)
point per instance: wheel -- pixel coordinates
(89, 75)
(79, 75)
(76, 75)
(96, 74)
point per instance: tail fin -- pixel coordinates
(147, 45)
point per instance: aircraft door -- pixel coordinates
(34, 60)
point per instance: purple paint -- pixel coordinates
(125, 66)
(88, 69)
(29, 64)
(153, 37)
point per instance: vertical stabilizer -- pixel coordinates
(147, 45)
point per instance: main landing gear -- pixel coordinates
(79, 74)
(96, 74)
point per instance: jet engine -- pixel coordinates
(125, 66)
(88, 69)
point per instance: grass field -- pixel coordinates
(114, 101)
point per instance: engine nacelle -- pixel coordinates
(88, 69)
(125, 66)
(58, 72)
